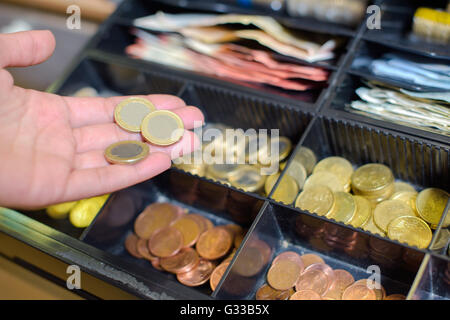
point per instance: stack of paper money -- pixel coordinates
(214, 44)
(424, 110)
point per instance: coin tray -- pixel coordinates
(313, 119)
(396, 28)
(423, 164)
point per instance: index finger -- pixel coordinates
(91, 111)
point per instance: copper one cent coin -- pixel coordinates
(214, 243)
(291, 256)
(342, 280)
(184, 261)
(144, 251)
(379, 290)
(305, 295)
(189, 228)
(131, 245)
(266, 292)
(309, 259)
(359, 292)
(283, 275)
(153, 218)
(166, 242)
(395, 297)
(217, 274)
(204, 223)
(317, 277)
(197, 276)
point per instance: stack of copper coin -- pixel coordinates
(308, 277)
(182, 243)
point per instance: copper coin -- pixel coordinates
(166, 242)
(309, 259)
(184, 261)
(266, 292)
(317, 277)
(217, 275)
(189, 228)
(144, 251)
(131, 245)
(359, 292)
(375, 286)
(305, 295)
(250, 262)
(283, 275)
(234, 228)
(156, 216)
(292, 256)
(197, 276)
(155, 264)
(342, 280)
(204, 223)
(395, 297)
(238, 240)
(214, 243)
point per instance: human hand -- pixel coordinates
(52, 147)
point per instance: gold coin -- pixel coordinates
(162, 127)
(270, 182)
(411, 230)
(372, 227)
(403, 186)
(442, 239)
(298, 173)
(282, 145)
(223, 171)
(316, 199)
(388, 210)
(126, 152)
(286, 191)
(363, 212)
(307, 158)
(338, 166)
(344, 207)
(408, 197)
(130, 113)
(248, 178)
(430, 204)
(326, 179)
(371, 177)
(378, 196)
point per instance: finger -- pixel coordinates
(89, 111)
(96, 158)
(91, 182)
(22, 49)
(101, 136)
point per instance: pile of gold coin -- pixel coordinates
(307, 277)
(139, 115)
(367, 198)
(185, 244)
(247, 175)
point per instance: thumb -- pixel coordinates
(22, 49)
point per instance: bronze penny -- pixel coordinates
(189, 228)
(305, 295)
(317, 277)
(292, 256)
(359, 292)
(395, 297)
(156, 265)
(214, 243)
(184, 261)
(144, 251)
(217, 274)
(166, 242)
(204, 223)
(342, 280)
(238, 240)
(283, 275)
(375, 286)
(250, 262)
(234, 228)
(266, 292)
(131, 245)
(153, 218)
(309, 259)
(197, 276)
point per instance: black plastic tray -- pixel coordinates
(414, 156)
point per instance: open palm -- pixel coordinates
(52, 147)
